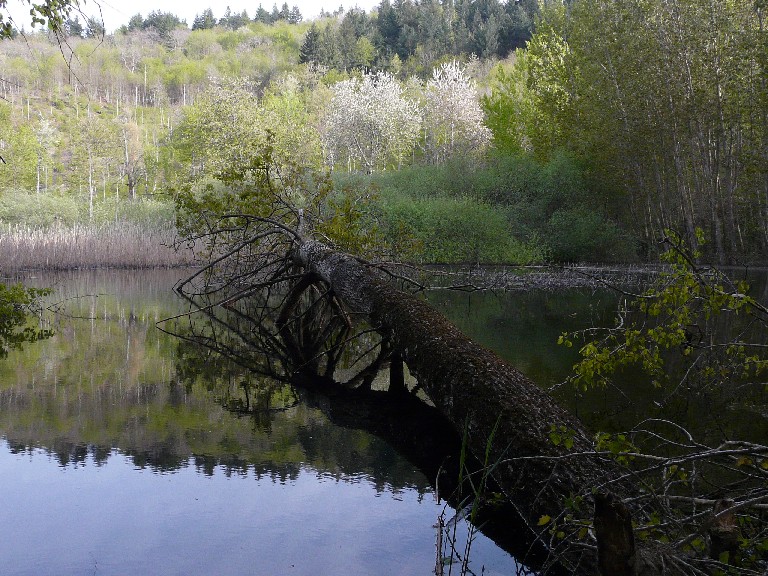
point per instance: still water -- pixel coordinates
(523, 328)
(117, 457)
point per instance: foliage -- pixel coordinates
(453, 119)
(40, 210)
(235, 155)
(159, 22)
(135, 87)
(419, 35)
(149, 213)
(19, 152)
(580, 233)
(291, 103)
(454, 230)
(17, 303)
(549, 206)
(510, 112)
(349, 221)
(310, 46)
(49, 13)
(694, 321)
(699, 502)
(559, 201)
(700, 507)
(222, 134)
(665, 100)
(146, 121)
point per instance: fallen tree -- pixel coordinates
(500, 410)
(306, 311)
(505, 418)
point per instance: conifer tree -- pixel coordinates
(309, 51)
(204, 21)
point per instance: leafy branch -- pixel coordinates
(17, 304)
(693, 321)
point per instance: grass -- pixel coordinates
(115, 245)
(59, 232)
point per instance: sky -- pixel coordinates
(117, 12)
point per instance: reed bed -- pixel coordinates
(110, 245)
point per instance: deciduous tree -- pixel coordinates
(50, 13)
(453, 119)
(370, 124)
(667, 101)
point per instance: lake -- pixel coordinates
(123, 451)
(118, 457)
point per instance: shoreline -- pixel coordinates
(125, 245)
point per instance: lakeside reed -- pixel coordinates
(109, 245)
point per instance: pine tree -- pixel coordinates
(309, 51)
(94, 27)
(204, 21)
(295, 16)
(262, 15)
(74, 27)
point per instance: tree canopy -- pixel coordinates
(665, 100)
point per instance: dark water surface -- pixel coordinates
(117, 457)
(523, 328)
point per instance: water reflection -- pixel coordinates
(523, 328)
(119, 458)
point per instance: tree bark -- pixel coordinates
(615, 538)
(503, 413)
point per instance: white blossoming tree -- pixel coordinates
(453, 118)
(369, 124)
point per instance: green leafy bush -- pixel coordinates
(508, 209)
(39, 210)
(452, 230)
(148, 213)
(453, 179)
(578, 234)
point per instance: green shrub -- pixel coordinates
(508, 180)
(149, 213)
(498, 210)
(39, 210)
(453, 179)
(578, 234)
(453, 230)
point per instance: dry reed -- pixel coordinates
(115, 245)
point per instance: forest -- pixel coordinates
(552, 141)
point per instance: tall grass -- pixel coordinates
(115, 245)
(58, 231)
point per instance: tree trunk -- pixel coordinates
(503, 413)
(539, 455)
